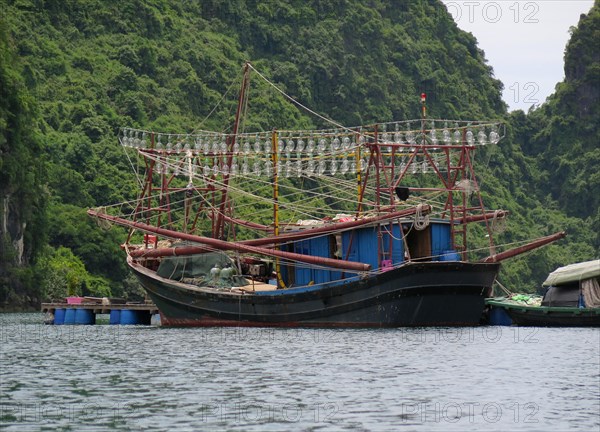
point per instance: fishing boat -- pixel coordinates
(337, 227)
(571, 299)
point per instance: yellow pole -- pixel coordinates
(275, 150)
(274, 142)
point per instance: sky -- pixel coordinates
(524, 42)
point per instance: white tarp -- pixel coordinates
(573, 273)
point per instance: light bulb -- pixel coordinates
(257, 145)
(288, 169)
(481, 137)
(333, 167)
(494, 137)
(321, 167)
(433, 135)
(268, 168)
(410, 135)
(310, 147)
(345, 166)
(335, 144)
(346, 143)
(289, 148)
(397, 135)
(446, 135)
(470, 137)
(457, 136)
(363, 164)
(322, 145)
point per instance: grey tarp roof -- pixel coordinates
(573, 273)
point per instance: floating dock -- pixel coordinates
(65, 313)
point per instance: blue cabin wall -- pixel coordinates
(441, 242)
(363, 246)
(320, 247)
(397, 244)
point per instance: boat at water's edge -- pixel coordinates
(415, 294)
(392, 260)
(572, 299)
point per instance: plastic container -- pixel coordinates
(59, 316)
(74, 300)
(115, 317)
(128, 317)
(155, 320)
(69, 317)
(85, 317)
(499, 317)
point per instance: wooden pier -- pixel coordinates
(84, 313)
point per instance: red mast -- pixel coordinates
(219, 226)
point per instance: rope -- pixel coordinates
(421, 221)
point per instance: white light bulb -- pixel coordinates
(333, 167)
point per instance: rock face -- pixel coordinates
(12, 232)
(582, 64)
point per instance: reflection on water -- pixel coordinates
(132, 377)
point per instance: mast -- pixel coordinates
(219, 231)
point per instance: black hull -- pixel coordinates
(417, 294)
(531, 316)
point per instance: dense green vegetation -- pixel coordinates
(72, 72)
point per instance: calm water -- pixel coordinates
(128, 378)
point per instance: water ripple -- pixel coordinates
(129, 378)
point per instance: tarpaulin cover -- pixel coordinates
(565, 296)
(573, 273)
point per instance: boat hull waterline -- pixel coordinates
(549, 316)
(412, 295)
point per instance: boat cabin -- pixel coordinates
(383, 246)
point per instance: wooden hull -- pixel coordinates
(416, 294)
(541, 316)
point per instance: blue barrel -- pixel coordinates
(129, 317)
(59, 317)
(499, 317)
(115, 316)
(85, 317)
(69, 317)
